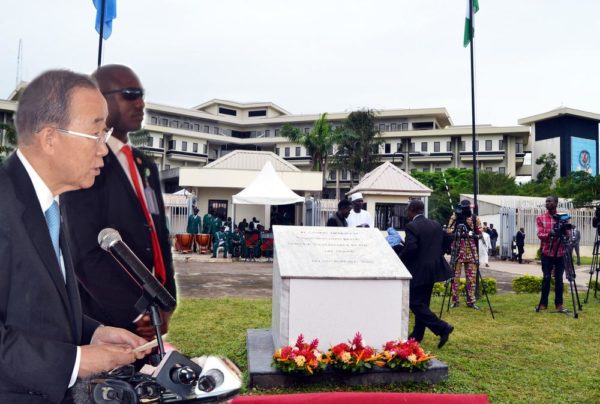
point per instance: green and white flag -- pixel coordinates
(468, 23)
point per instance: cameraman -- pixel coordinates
(465, 229)
(552, 255)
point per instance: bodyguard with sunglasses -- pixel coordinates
(127, 197)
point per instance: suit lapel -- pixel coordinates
(35, 224)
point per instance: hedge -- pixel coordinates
(489, 283)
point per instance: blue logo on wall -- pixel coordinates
(584, 161)
(583, 155)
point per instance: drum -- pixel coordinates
(203, 240)
(183, 242)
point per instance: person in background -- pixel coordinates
(358, 216)
(46, 342)
(220, 240)
(520, 242)
(338, 219)
(423, 255)
(575, 240)
(126, 196)
(552, 257)
(194, 225)
(484, 247)
(493, 238)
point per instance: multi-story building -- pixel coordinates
(413, 139)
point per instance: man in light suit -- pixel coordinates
(127, 197)
(423, 255)
(46, 343)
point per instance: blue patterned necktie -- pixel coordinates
(53, 220)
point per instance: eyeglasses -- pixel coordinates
(100, 139)
(129, 93)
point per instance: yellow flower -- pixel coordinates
(346, 357)
(300, 359)
(412, 358)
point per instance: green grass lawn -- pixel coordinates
(522, 356)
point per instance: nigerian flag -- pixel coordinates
(469, 27)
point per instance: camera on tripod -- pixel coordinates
(596, 219)
(562, 225)
(462, 213)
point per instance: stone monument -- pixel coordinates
(330, 282)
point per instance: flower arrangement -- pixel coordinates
(300, 358)
(353, 356)
(404, 354)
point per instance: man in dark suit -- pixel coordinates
(43, 333)
(423, 255)
(127, 197)
(520, 241)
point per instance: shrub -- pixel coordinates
(594, 285)
(489, 283)
(538, 254)
(530, 284)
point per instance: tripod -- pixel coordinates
(461, 233)
(594, 267)
(556, 242)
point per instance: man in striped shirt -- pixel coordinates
(552, 256)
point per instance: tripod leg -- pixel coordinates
(444, 299)
(483, 288)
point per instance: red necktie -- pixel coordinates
(159, 266)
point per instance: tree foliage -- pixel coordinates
(10, 140)
(549, 166)
(357, 142)
(318, 142)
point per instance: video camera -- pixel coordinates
(562, 225)
(596, 219)
(462, 213)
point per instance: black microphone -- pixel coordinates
(110, 240)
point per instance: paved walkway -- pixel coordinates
(202, 276)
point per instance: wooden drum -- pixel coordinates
(203, 240)
(183, 242)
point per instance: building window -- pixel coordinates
(186, 125)
(164, 122)
(488, 145)
(332, 175)
(391, 214)
(398, 147)
(287, 152)
(476, 145)
(167, 166)
(519, 147)
(276, 132)
(206, 129)
(267, 133)
(405, 126)
(438, 170)
(393, 127)
(227, 111)
(423, 146)
(149, 141)
(382, 127)
(172, 144)
(449, 146)
(216, 130)
(412, 147)
(463, 145)
(501, 144)
(436, 147)
(154, 120)
(277, 151)
(184, 146)
(307, 130)
(297, 151)
(205, 148)
(344, 175)
(426, 170)
(174, 123)
(161, 143)
(197, 127)
(502, 170)
(253, 114)
(195, 147)
(219, 208)
(388, 148)
(488, 169)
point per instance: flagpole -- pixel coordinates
(101, 33)
(474, 140)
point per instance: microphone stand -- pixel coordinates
(157, 322)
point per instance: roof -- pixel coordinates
(251, 160)
(391, 180)
(267, 188)
(242, 105)
(559, 112)
(515, 201)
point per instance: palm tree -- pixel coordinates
(9, 142)
(318, 142)
(358, 142)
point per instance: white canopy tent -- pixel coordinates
(266, 189)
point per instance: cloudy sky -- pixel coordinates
(315, 56)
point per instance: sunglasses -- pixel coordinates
(129, 93)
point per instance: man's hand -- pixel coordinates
(110, 348)
(145, 329)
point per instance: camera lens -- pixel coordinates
(183, 375)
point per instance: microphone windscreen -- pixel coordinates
(82, 391)
(107, 237)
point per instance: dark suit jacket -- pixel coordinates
(40, 316)
(423, 252)
(108, 293)
(520, 238)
